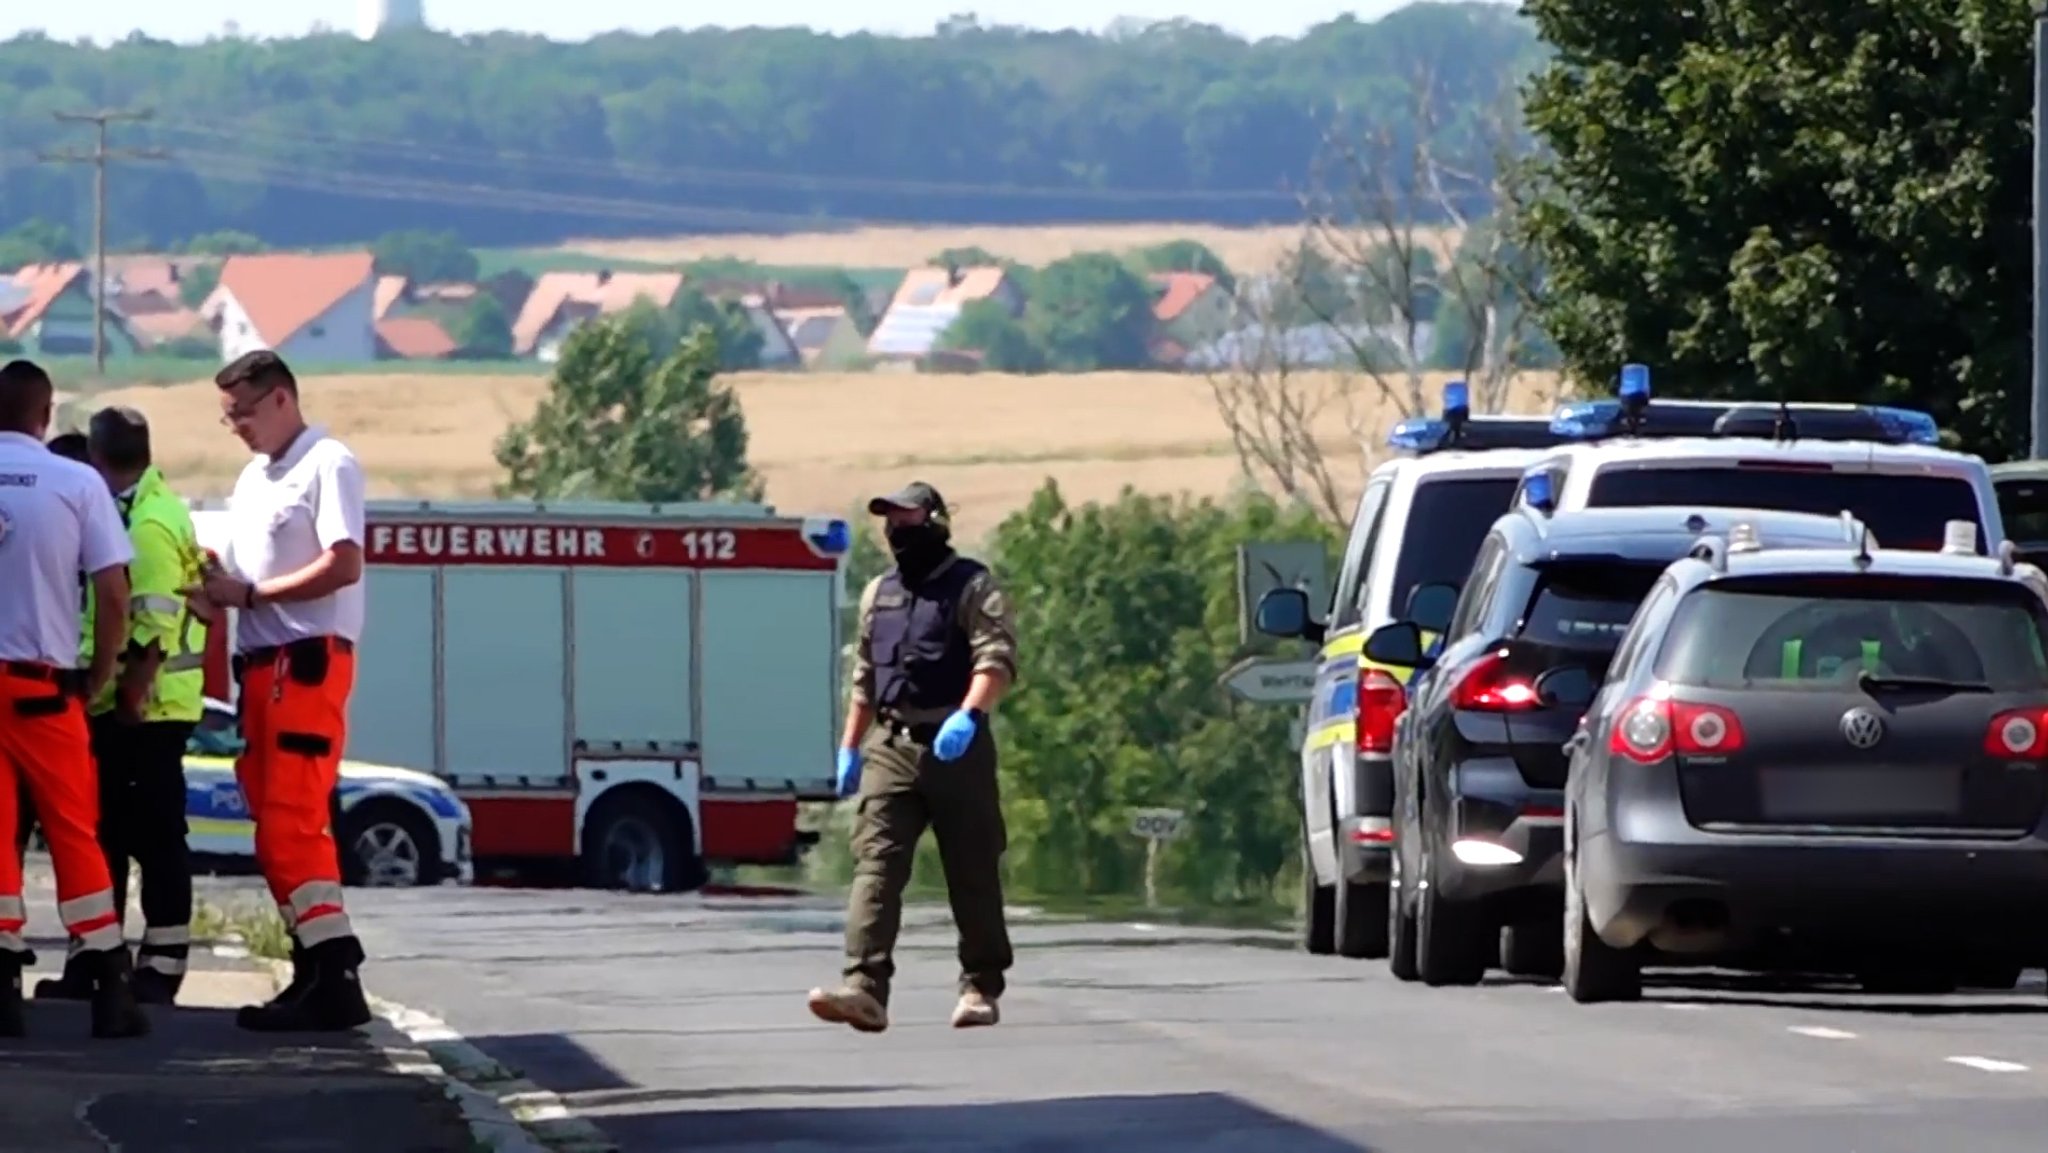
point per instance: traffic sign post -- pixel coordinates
(1271, 680)
(1265, 565)
(1156, 826)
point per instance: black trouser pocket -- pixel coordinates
(305, 744)
(41, 706)
(306, 662)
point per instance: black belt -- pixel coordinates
(70, 680)
(263, 653)
(923, 733)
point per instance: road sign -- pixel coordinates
(1271, 680)
(1264, 565)
(1156, 824)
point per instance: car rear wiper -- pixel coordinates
(1870, 681)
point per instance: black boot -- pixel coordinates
(12, 1023)
(155, 988)
(332, 1002)
(302, 978)
(114, 1011)
(75, 985)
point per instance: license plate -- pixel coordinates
(1868, 794)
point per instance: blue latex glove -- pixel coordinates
(954, 736)
(849, 772)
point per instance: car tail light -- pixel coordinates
(1654, 727)
(1490, 687)
(1381, 700)
(2018, 733)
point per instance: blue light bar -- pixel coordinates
(1419, 434)
(1457, 397)
(1908, 426)
(1536, 490)
(1635, 381)
(1598, 419)
(830, 537)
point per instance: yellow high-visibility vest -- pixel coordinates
(167, 558)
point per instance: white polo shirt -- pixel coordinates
(57, 519)
(284, 513)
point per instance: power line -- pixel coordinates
(99, 158)
(503, 160)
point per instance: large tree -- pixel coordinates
(622, 421)
(1826, 199)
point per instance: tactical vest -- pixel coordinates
(922, 656)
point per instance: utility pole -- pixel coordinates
(2039, 446)
(99, 158)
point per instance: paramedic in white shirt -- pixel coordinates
(57, 519)
(293, 571)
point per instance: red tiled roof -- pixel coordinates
(43, 284)
(1180, 290)
(284, 292)
(604, 292)
(414, 338)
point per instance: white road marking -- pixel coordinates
(1684, 1007)
(509, 1112)
(1822, 1032)
(1988, 1065)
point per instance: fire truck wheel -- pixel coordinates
(640, 841)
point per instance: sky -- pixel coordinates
(186, 20)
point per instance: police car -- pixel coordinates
(1818, 760)
(1879, 463)
(395, 827)
(1417, 526)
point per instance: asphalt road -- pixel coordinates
(679, 1024)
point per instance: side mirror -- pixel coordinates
(1284, 613)
(1430, 606)
(1398, 644)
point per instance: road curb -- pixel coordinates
(505, 1112)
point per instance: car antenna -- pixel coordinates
(1786, 429)
(1863, 548)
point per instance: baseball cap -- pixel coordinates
(915, 495)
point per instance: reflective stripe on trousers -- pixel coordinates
(165, 949)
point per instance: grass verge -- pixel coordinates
(245, 924)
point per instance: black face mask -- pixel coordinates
(918, 548)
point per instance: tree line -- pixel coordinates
(512, 139)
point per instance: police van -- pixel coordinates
(1419, 522)
(1881, 464)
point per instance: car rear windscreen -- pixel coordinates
(1785, 631)
(1903, 510)
(2023, 506)
(1586, 607)
(1448, 519)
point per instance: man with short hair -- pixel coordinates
(56, 520)
(141, 723)
(293, 569)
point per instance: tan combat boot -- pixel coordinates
(849, 1006)
(975, 1010)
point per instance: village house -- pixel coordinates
(308, 308)
(1192, 309)
(561, 302)
(825, 337)
(47, 309)
(928, 302)
(149, 294)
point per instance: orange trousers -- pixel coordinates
(44, 744)
(295, 724)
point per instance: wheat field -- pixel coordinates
(823, 442)
(1244, 249)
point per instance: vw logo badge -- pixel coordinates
(1862, 728)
